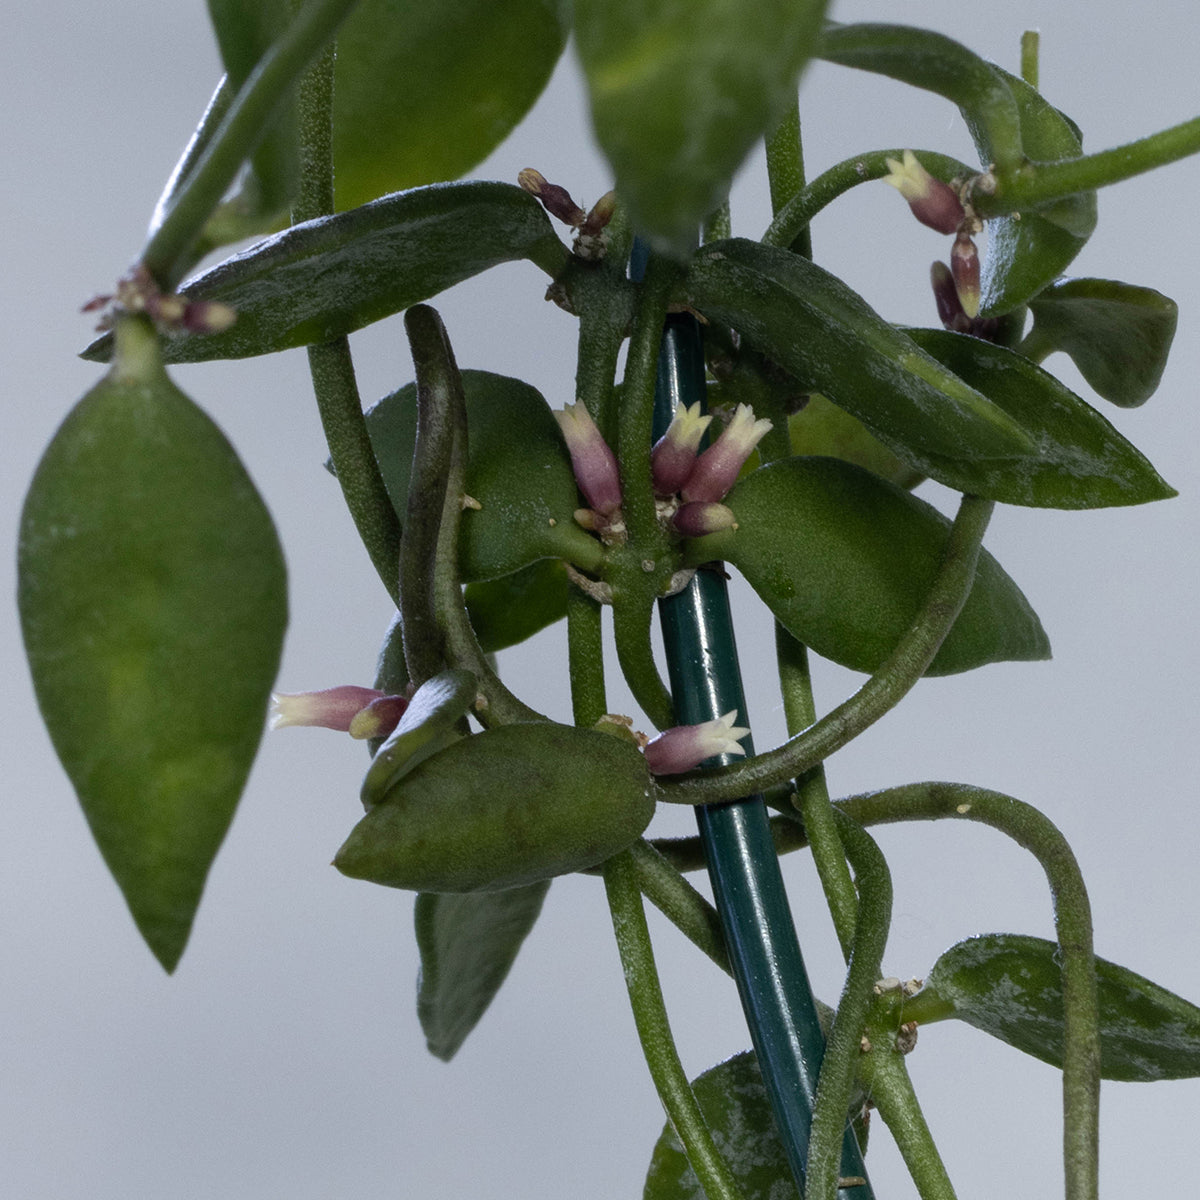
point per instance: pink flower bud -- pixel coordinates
(964, 266)
(333, 708)
(555, 200)
(686, 746)
(703, 516)
(594, 463)
(933, 202)
(379, 718)
(716, 470)
(674, 454)
(945, 296)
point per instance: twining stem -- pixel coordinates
(165, 254)
(882, 692)
(585, 659)
(785, 168)
(654, 1031)
(330, 364)
(1030, 43)
(843, 1046)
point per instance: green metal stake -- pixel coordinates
(748, 887)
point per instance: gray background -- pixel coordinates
(284, 1058)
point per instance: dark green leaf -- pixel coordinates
(325, 278)
(518, 469)
(1081, 461)
(821, 428)
(468, 943)
(1010, 986)
(1118, 335)
(844, 560)
(680, 94)
(737, 1111)
(827, 336)
(510, 806)
(422, 92)
(153, 603)
(430, 722)
(514, 607)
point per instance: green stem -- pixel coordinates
(1030, 41)
(785, 169)
(882, 692)
(719, 225)
(1034, 184)
(791, 222)
(632, 614)
(843, 1046)
(165, 254)
(654, 1031)
(585, 658)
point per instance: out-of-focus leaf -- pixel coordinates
(1081, 461)
(830, 339)
(468, 943)
(153, 602)
(510, 806)
(328, 277)
(514, 607)
(736, 1109)
(680, 94)
(1118, 335)
(1010, 986)
(422, 92)
(844, 560)
(518, 469)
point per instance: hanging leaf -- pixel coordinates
(822, 429)
(1010, 986)
(514, 607)
(826, 335)
(468, 943)
(738, 1113)
(1080, 460)
(153, 603)
(845, 560)
(1117, 334)
(325, 278)
(422, 92)
(518, 470)
(679, 96)
(513, 805)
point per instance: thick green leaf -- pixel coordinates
(422, 92)
(1010, 986)
(518, 469)
(430, 722)
(510, 806)
(468, 943)
(821, 428)
(680, 93)
(329, 277)
(153, 603)
(1081, 461)
(827, 336)
(736, 1109)
(844, 560)
(514, 607)
(1118, 335)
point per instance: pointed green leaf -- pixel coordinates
(510, 806)
(325, 278)
(822, 429)
(518, 469)
(153, 604)
(738, 1113)
(1118, 335)
(828, 337)
(514, 607)
(429, 722)
(1010, 986)
(844, 560)
(422, 92)
(468, 944)
(1081, 461)
(681, 93)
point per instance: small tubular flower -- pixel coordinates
(945, 296)
(594, 464)
(674, 454)
(699, 517)
(933, 202)
(716, 470)
(332, 708)
(379, 718)
(683, 747)
(964, 266)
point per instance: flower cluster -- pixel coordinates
(359, 711)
